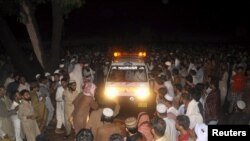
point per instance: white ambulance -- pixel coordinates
(128, 79)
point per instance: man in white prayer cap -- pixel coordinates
(240, 116)
(48, 75)
(168, 101)
(96, 116)
(109, 127)
(170, 131)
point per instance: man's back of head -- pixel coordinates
(158, 126)
(84, 135)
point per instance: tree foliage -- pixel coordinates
(11, 7)
(68, 5)
(25, 11)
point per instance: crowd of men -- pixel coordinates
(193, 88)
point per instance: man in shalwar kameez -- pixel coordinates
(69, 96)
(95, 121)
(27, 116)
(39, 106)
(82, 105)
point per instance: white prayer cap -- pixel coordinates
(106, 63)
(72, 81)
(38, 76)
(168, 97)
(161, 108)
(61, 65)
(241, 104)
(85, 65)
(56, 71)
(201, 130)
(131, 122)
(168, 63)
(72, 60)
(47, 74)
(107, 112)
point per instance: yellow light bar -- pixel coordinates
(142, 54)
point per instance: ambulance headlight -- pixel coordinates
(111, 92)
(142, 93)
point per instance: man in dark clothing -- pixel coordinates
(13, 86)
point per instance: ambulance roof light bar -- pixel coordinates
(119, 54)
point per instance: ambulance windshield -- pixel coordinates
(127, 74)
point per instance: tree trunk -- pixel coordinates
(18, 58)
(58, 21)
(33, 31)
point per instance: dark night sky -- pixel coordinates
(126, 17)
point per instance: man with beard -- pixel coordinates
(88, 72)
(27, 116)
